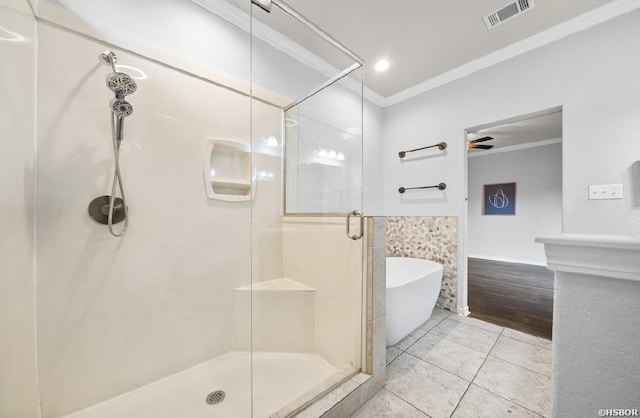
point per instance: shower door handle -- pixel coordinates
(354, 236)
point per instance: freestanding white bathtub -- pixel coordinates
(413, 286)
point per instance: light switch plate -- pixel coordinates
(605, 191)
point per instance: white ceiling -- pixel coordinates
(520, 133)
(421, 38)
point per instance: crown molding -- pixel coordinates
(264, 32)
(596, 16)
(242, 20)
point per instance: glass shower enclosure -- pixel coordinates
(237, 289)
(308, 311)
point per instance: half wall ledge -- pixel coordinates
(596, 323)
(612, 256)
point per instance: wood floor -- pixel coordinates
(518, 296)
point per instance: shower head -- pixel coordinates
(121, 84)
(121, 108)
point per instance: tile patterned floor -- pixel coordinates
(455, 367)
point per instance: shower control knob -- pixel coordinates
(99, 210)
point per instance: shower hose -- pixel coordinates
(117, 183)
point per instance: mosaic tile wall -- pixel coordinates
(432, 238)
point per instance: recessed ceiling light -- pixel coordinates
(381, 65)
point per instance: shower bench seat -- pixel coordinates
(280, 315)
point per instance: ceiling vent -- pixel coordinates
(507, 12)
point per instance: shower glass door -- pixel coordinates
(307, 261)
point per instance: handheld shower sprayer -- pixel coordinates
(120, 109)
(121, 84)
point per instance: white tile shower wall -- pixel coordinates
(266, 260)
(21, 6)
(115, 314)
(277, 316)
(18, 384)
(346, 399)
(432, 238)
(188, 44)
(318, 254)
(135, 26)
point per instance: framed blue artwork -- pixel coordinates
(499, 199)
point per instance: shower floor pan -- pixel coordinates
(278, 379)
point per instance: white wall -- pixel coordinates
(593, 75)
(596, 359)
(596, 323)
(18, 376)
(372, 181)
(538, 174)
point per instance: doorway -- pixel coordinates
(514, 194)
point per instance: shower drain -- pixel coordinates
(215, 397)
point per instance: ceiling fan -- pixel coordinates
(475, 143)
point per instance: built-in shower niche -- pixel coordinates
(227, 170)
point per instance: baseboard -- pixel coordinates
(464, 311)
